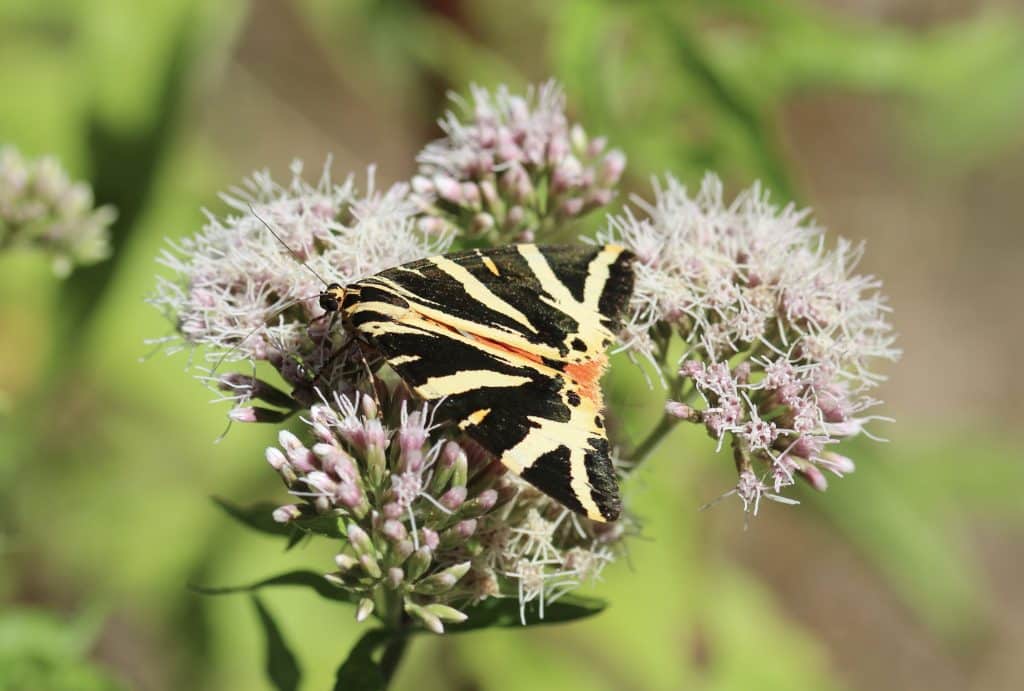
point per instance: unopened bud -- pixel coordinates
(364, 609)
(257, 414)
(453, 498)
(417, 564)
(681, 411)
(570, 207)
(837, 463)
(429, 620)
(480, 504)
(287, 513)
(814, 477)
(345, 562)
(446, 613)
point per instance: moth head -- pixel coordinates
(332, 297)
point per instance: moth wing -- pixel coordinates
(559, 303)
(514, 352)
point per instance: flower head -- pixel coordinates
(41, 207)
(426, 522)
(247, 291)
(782, 334)
(511, 165)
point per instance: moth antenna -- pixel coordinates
(295, 255)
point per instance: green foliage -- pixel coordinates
(40, 652)
(281, 665)
(306, 579)
(505, 613)
(364, 666)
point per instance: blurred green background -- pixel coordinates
(898, 121)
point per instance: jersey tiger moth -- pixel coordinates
(509, 343)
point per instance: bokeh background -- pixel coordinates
(897, 121)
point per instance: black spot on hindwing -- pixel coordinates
(551, 473)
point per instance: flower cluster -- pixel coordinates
(41, 207)
(429, 526)
(780, 337)
(512, 166)
(247, 286)
(781, 332)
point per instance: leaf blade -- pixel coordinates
(282, 668)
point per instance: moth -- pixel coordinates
(510, 343)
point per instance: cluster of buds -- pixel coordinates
(782, 333)
(41, 207)
(511, 166)
(247, 286)
(429, 526)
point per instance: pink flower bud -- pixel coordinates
(515, 216)
(680, 410)
(287, 513)
(612, 167)
(421, 185)
(570, 207)
(814, 477)
(448, 188)
(394, 530)
(429, 538)
(453, 498)
(840, 465)
(275, 458)
(470, 194)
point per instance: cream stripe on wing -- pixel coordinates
(469, 379)
(548, 435)
(415, 323)
(480, 292)
(542, 270)
(586, 316)
(503, 335)
(598, 273)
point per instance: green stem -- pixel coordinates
(655, 437)
(392, 656)
(665, 425)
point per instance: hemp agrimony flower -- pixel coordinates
(41, 207)
(242, 293)
(430, 523)
(781, 334)
(513, 167)
(430, 526)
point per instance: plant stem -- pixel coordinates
(656, 435)
(679, 392)
(392, 656)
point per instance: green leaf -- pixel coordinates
(306, 579)
(361, 670)
(257, 516)
(282, 667)
(504, 613)
(318, 524)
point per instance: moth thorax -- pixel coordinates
(332, 297)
